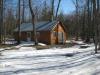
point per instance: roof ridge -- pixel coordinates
(46, 25)
(53, 24)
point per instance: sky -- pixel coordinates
(67, 6)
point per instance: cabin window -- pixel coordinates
(60, 37)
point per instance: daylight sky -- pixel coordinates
(67, 6)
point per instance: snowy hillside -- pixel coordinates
(54, 61)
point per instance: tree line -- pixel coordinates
(14, 13)
(82, 23)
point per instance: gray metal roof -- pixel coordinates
(40, 26)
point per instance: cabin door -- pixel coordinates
(28, 36)
(60, 37)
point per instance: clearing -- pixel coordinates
(54, 61)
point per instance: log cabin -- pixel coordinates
(52, 32)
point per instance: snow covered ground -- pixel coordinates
(54, 61)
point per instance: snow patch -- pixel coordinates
(53, 61)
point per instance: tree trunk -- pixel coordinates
(23, 11)
(77, 21)
(52, 10)
(58, 8)
(83, 25)
(95, 25)
(1, 19)
(98, 9)
(88, 23)
(33, 19)
(19, 22)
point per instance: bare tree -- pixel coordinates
(19, 22)
(58, 8)
(52, 9)
(88, 22)
(1, 19)
(76, 3)
(23, 14)
(33, 20)
(95, 24)
(98, 16)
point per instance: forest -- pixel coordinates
(49, 37)
(82, 23)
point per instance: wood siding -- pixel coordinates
(47, 37)
(57, 29)
(23, 36)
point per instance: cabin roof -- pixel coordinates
(40, 26)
